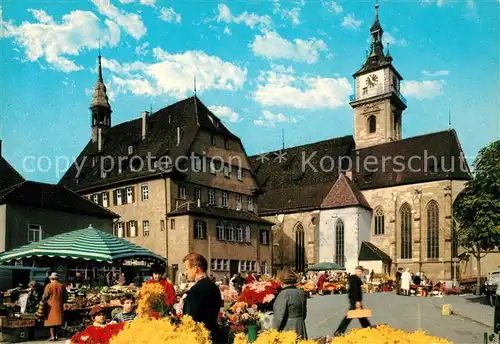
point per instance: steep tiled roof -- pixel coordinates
(8, 175)
(54, 197)
(161, 140)
(344, 193)
(221, 213)
(404, 162)
(299, 182)
(368, 251)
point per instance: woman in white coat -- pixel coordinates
(405, 282)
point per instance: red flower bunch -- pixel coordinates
(97, 335)
(259, 292)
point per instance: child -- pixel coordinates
(127, 314)
(98, 315)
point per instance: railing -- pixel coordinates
(376, 91)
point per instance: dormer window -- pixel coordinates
(130, 149)
(94, 161)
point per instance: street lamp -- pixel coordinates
(455, 260)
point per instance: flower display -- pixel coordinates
(228, 294)
(97, 335)
(259, 293)
(240, 315)
(141, 330)
(387, 335)
(273, 337)
(307, 287)
(152, 301)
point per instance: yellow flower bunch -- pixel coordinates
(149, 295)
(386, 335)
(160, 331)
(273, 337)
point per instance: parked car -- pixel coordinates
(492, 282)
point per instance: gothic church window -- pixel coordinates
(299, 247)
(432, 230)
(406, 235)
(372, 124)
(378, 221)
(339, 243)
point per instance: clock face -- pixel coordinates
(371, 80)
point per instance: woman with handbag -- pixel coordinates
(55, 296)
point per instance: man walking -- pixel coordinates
(203, 301)
(355, 297)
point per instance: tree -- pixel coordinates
(477, 207)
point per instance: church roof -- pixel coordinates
(299, 181)
(161, 140)
(53, 197)
(344, 193)
(8, 175)
(368, 251)
(220, 212)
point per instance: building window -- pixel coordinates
(145, 228)
(264, 237)
(248, 237)
(34, 233)
(250, 203)
(406, 237)
(119, 197)
(339, 243)
(432, 230)
(182, 192)
(200, 229)
(263, 267)
(95, 198)
(162, 225)
(239, 233)
(226, 264)
(226, 144)
(130, 195)
(212, 166)
(220, 264)
(144, 192)
(240, 174)
(299, 248)
(132, 229)
(365, 91)
(229, 231)
(212, 140)
(213, 264)
(238, 202)
(94, 161)
(372, 124)
(197, 194)
(172, 224)
(211, 196)
(225, 199)
(119, 230)
(130, 149)
(227, 172)
(104, 196)
(378, 221)
(220, 231)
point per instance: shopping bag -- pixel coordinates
(41, 309)
(359, 313)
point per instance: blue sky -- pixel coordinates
(262, 66)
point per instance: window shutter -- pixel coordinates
(133, 194)
(107, 197)
(194, 229)
(205, 230)
(128, 229)
(124, 196)
(115, 197)
(99, 199)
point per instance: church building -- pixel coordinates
(375, 198)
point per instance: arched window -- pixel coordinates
(220, 231)
(299, 248)
(248, 237)
(339, 243)
(239, 233)
(378, 221)
(406, 237)
(229, 231)
(432, 230)
(372, 124)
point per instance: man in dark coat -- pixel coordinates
(203, 300)
(355, 295)
(398, 281)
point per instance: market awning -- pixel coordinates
(324, 266)
(88, 244)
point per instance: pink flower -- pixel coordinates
(268, 298)
(254, 307)
(238, 310)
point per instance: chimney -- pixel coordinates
(99, 139)
(144, 123)
(178, 136)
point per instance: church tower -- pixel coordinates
(100, 108)
(377, 102)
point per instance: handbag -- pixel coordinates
(359, 313)
(41, 309)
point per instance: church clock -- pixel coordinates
(371, 80)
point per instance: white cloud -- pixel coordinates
(142, 2)
(422, 89)
(227, 31)
(225, 113)
(388, 38)
(172, 74)
(333, 6)
(436, 73)
(169, 15)
(292, 14)
(272, 46)
(252, 20)
(130, 22)
(280, 87)
(142, 50)
(350, 22)
(269, 119)
(78, 31)
(440, 3)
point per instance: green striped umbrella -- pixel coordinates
(89, 244)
